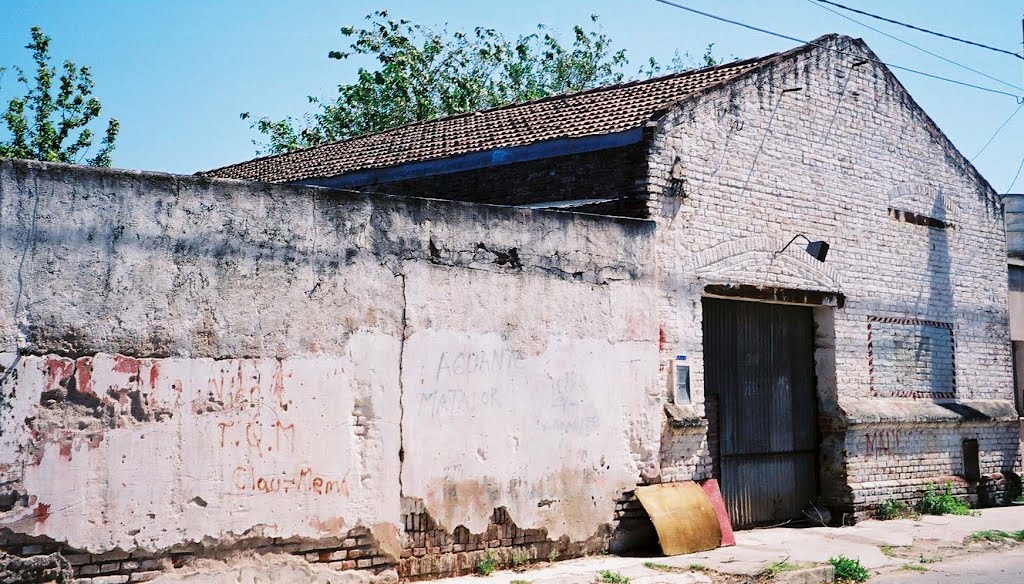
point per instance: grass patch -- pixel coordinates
(913, 568)
(659, 567)
(609, 577)
(668, 568)
(519, 559)
(935, 502)
(775, 568)
(520, 582)
(996, 535)
(929, 559)
(487, 564)
(553, 556)
(849, 570)
(895, 509)
(888, 551)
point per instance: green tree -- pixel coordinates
(53, 124)
(422, 73)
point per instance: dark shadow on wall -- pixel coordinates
(991, 489)
(940, 304)
(940, 286)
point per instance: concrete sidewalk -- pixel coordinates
(905, 541)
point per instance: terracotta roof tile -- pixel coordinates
(604, 110)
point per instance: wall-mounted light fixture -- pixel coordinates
(816, 249)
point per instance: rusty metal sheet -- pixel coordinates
(759, 372)
(683, 517)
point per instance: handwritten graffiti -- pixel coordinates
(239, 386)
(247, 479)
(453, 402)
(882, 442)
(566, 392)
(472, 362)
(250, 435)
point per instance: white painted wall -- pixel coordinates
(232, 447)
(254, 361)
(535, 394)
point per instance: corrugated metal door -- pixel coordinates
(759, 375)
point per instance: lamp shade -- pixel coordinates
(818, 250)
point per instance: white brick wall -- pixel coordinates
(835, 181)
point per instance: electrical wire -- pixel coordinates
(801, 41)
(839, 102)
(764, 137)
(1000, 129)
(924, 30)
(912, 45)
(1015, 177)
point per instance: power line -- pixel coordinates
(801, 41)
(1016, 176)
(924, 30)
(910, 44)
(1000, 129)
(839, 102)
(764, 137)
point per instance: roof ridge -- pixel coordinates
(761, 62)
(555, 97)
(613, 86)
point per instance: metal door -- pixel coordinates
(759, 375)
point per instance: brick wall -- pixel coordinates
(898, 461)
(357, 549)
(848, 158)
(431, 552)
(611, 173)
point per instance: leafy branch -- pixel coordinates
(53, 124)
(423, 72)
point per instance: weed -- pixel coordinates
(519, 582)
(775, 568)
(894, 509)
(929, 559)
(849, 570)
(609, 577)
(520, 558)
(887, 551)
(659, 567)
(941, 503)
(913, 568)
(487, 564)
(996, 535)
(553, 556)
(668, 568)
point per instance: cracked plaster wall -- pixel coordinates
(204, 360)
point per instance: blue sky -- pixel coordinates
(177, 73)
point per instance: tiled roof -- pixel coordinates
(604, 110)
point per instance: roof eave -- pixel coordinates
(477, 160)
